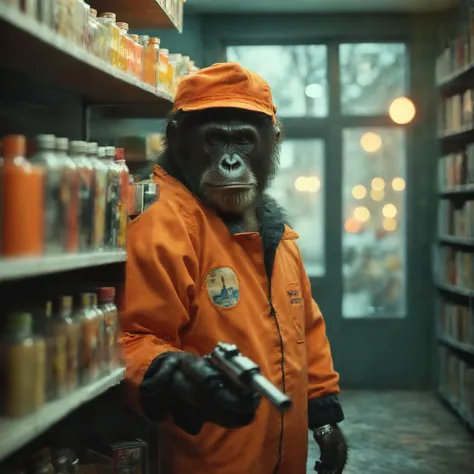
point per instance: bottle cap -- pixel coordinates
(106, 293)
(122, 25)
(86, 300)
(93, 12)
(92, 148)
(110, 151)
(135, 38)
(110, 15)
(101, 152)
(62, 144)
(154, 40)
(77, 146)
(66, 303)
(46, 142)
(165, 51)
(49, 309)
(119, 154)
(13, 146)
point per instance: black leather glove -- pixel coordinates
(191, 391)
(333, 446)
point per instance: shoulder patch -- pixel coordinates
(223, 287)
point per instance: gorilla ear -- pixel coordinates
(171, 131)
(277, 131)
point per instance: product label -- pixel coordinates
(53, 211)
(100, 187)
(69, 196)
(86, 207)
(113, 208)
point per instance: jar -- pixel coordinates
(22, 213)
(80, 22)
(53, 166)
(174, 70)
(22, 367)
(113, 38)
(71, 329)
(126, 48)
(163, 68)
(123, 204)
(89, 322)
(137, 49)
(151, 61)
(111, 326)
(63, 18)
(96, 38)
(69, 197)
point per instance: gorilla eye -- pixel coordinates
(213, 139)
(243, 139)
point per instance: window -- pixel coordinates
(372, 75)
(296, 74)
(298, 187)
(374, 222)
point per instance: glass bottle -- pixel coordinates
(123, 201)
(53, 331)
(137, 56)
(69, 197)
(101, 360)
(113, 38)
(80, 22)
(85, 170)
(175, 63)
(126, 48)
(22, 367)
(112, 219)
(72, 332)
(22, 212)
(90, 331)
(163, 68)
(54, 224)
(96, 39)
(111, 326)
(63, 18)
(99, 191)
(61, 461)
(151, 61)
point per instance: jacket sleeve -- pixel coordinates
(323, 380)
(160, 290)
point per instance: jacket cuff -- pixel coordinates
(324, 411)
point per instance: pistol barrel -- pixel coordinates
(278, 399)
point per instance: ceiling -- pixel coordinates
(317, 6)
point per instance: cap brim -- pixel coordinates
(227, 103)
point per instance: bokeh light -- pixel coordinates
(377, 195)
(352, 225)
(378, 184)
(362, 214)
(398, 184)
(308, 184)
(359, 191)
(371, 142)
(389, 224)
(389, 211)
(402, 110)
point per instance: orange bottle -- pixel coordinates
(22, 201)
(151, 62)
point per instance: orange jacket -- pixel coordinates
(193, 281)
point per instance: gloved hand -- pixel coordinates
(193, 392)
(333, 446)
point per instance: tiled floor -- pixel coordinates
(402, 433)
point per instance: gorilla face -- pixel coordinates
(226, 156)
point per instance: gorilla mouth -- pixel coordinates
(235, 186)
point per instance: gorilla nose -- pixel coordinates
(231, 163)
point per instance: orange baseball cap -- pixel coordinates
(225, 85)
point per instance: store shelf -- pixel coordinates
(138, 13)
(36, 50)
(460, 346)
(455, 289)
(452, 239)
(14, 268)
(15, 433)
(454, 406)
(457, 81)
(463, 189)
(461, 134)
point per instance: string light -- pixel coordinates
(389, 211)
(362, 214)
(389, 224)
(371, 142)
(359, 191)
(402, 110)
(378, 184)
(398, 184)
(377, 195)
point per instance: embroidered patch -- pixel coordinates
(294, 295)
(223, 287)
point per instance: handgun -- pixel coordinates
(246, 374)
